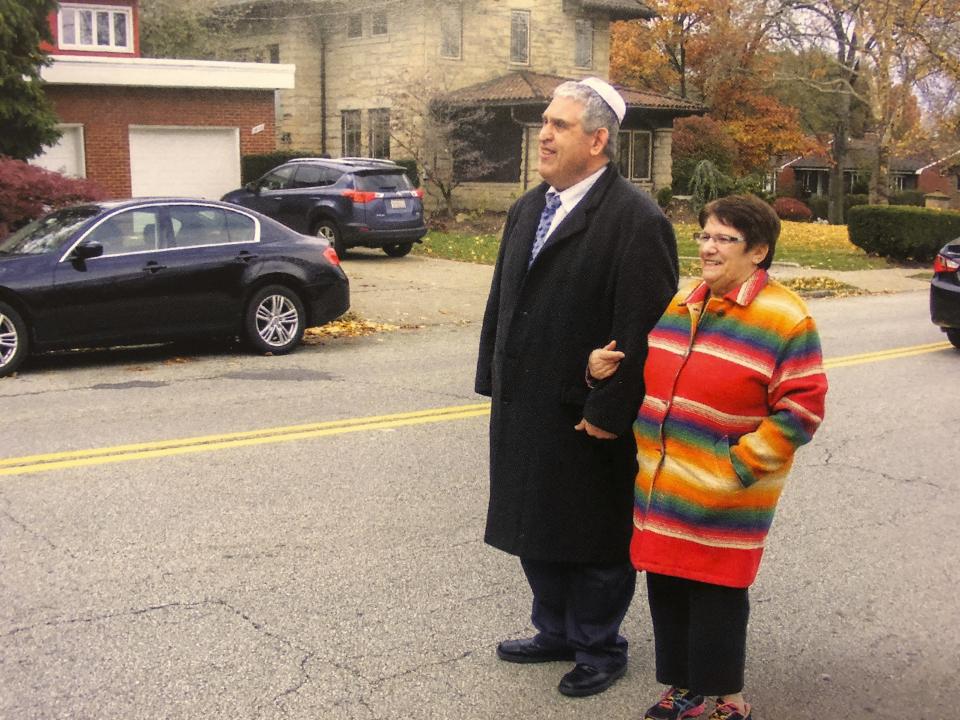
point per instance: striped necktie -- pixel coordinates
(546, 218)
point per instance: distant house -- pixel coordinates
(507, 57)
(811, 173)
(141, 126)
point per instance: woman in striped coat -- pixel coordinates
(734, 385)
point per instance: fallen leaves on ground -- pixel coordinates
(349, 325)
(821, 287)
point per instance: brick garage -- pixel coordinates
(106, 113)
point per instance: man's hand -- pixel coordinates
(594, 431)
(603, 362)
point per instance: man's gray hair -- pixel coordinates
(596, 112)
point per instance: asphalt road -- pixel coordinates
(216, 535)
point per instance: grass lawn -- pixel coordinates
(807, 244)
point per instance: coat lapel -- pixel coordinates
(576, 222)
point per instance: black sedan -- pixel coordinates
(945, 291)
(153, 270)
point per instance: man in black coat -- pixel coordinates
(585, 257)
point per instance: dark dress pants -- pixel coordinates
(701, 634)
(581, 606)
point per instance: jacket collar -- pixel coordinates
(742, 295)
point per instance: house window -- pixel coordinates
(584, 51)
(350, 133)
(636, 153)
(94, 27)
(355, 25)
(451, 30)
(520, 36)
(379, 23)
(379, 139)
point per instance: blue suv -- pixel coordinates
(348, 201)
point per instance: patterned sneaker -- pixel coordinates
(729, 711)
(676, 704)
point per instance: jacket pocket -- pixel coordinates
(723, 465)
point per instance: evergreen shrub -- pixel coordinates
(852, 200)
(254, 166)
(902, 232)
(664, 196)
(907, 197)
(792, 209)
(819, 206)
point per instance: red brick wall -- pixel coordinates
(106, 114)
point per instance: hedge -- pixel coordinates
(255, 166)
(792, 209)
(902, 232)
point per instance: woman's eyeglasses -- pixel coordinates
(702, 237)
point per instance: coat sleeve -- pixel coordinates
(796, 397)
(483, 382)
(645, 282)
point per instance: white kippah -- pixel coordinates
(610, 96)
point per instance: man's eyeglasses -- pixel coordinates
(702, 237)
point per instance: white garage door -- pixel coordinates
(66, 156)
(193, 162)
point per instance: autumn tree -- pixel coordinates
(883, 51)
(27, 119)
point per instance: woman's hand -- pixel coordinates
(603, 362)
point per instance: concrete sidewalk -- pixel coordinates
(415, 290)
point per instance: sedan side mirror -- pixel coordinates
(87, 249)
(252, 187)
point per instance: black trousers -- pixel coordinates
(700, 631)
(581, 606)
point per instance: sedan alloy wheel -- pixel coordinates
(13, 340)
(275, 320)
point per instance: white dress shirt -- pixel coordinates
(570, 197)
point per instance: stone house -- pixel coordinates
(504, 55)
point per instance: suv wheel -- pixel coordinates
(274, 320)
(13, 340)
(328, 230)
(397, 249)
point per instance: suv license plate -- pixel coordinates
(398, 204)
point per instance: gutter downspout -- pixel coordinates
(323, 94)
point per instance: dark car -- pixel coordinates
(348, 201)
(152, 270)
(945, 291)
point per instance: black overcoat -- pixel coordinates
(606, 273)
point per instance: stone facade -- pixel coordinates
(343, 66)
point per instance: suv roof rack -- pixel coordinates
(365, 161)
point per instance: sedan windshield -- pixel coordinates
(47, 233)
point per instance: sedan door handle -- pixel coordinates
(245, 256)
(153, 267)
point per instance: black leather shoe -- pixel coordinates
(529, 650)
(586, 680)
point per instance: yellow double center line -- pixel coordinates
(206, 443)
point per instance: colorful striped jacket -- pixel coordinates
(734, 385)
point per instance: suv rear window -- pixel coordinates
(383, 182)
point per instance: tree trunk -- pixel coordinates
(839, 155)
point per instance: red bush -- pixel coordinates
(792, 209)
(27, 192)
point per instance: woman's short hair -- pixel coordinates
(596, 112)
(750, 215)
